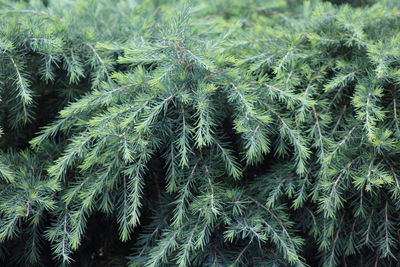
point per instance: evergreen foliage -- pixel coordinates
(212, 133)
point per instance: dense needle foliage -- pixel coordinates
(204, 133)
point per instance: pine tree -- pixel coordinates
(248, 133)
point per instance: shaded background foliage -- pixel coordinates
(246, 133)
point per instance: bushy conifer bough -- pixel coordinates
(225, 133)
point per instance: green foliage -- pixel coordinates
(248, 133)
